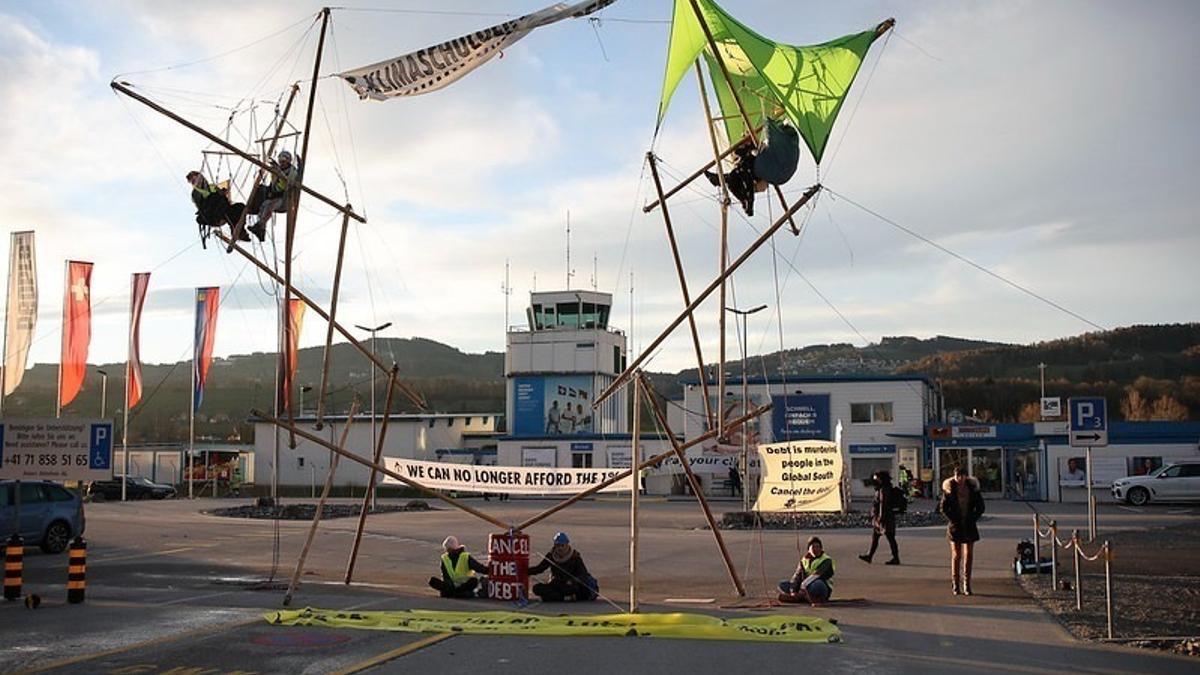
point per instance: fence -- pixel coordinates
(1075, 545)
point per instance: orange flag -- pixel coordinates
(296, 309)
(77, 331)
(133, 364)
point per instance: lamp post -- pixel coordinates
(103, 392)
(373, 331)
(745, 459)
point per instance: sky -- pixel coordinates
(1053, 143)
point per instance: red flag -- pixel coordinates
(291, 353)
(133, 365)
(77, 330)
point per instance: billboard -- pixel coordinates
(553, 405)
(797, 417)
(56, 449)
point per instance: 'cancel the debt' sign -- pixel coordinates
(503, 479)
(508, 566)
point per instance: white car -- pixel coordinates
(1175, 482)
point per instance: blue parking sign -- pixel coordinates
(100, 447)
(1089, 421)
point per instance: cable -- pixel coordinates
(216, 56)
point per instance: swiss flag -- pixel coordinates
(77, 330)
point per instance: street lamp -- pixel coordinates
(303, 389)
(745, 459)
(373, 331)
(103, 392)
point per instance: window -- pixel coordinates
(300, 462)
(31, 494)
(871, 413)
(617, 365)
(581, 460)
(1190, 470)
(5, 496)
(863, 468)
(1171, 472)
(58, 494)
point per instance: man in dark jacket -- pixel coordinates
(569, 577)
(883, 518)
(458, 571)
(212, 204)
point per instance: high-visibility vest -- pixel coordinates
(458, 572)
(280, 185)
(204, 191)
(811, 566)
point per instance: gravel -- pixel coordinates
(741, 520)
(307, 511)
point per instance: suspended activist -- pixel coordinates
(272, 196)
(811, 581)
(213, 208)
(458, 569)
(570, 580)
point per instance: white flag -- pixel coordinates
(22, 308)
(435, 67)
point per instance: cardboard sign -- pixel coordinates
(508, 566)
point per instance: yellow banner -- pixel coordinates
(800, 476)
(678, 625)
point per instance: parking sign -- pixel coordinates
(1089, 421)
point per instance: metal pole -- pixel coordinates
(633, 500)
(1091, 505)
(1108, 587)
(745, 429)
(1075, 551)
(103, 393)
(192, 424)
(1054, 555)
(1037, 544)
(368, 502)
(66, 308)
(650, 349)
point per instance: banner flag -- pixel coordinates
(441, 65)
(785, 628)
(133, 364)
(77, 330)
(22, 308)
(515, 480)
(291, 354)
(800, 476)
(207, 303)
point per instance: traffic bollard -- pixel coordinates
(14, 557)
(1108, 587)
(1053, 554)
(1075, 550)
(1037, 544)
(77, 571)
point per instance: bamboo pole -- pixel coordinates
(124, 89)
(733, 266)
(697, 489)
(646, 463)
(287, 108)
(383, 469)
(696, 174)
(683, 287)
(633, 501)
(366, 503)
(312, 530)
(333, 303)
(412, 396)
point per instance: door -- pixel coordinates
(1169, 484)
(35, 511)
(1023, 479)
(985, 467)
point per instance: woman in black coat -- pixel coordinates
(961, 504)
(883, 518)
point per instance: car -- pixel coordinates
(137, 487)
(51, 515)
(1178, 481)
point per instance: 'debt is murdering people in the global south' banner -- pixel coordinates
(800, 476)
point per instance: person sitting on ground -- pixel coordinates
(458, 578)
(569, 577)
(272, 197)
(811, 581)
(212, 203)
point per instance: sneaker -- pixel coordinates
(260, 230)
(966, 589)
(865, 558)
(893, 561)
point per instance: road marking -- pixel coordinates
(169, 551)
(165, 639)
(1129, 509)
(180, 601)
(394, 654)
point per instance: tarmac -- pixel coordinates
(172, 590)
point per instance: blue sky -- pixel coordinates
(1052, 142)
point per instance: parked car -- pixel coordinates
(138, 487)
(1175, 482)
(51, 515)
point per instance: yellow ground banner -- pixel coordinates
(677, 625)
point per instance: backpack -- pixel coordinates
(897, 501)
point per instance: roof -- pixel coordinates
(691, 378)
(645, 436)
(396, 417)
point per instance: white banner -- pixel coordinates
(22, 308)
(515, 480)
(801, 476)
(435, 67)
(714, 464)
(56, 449)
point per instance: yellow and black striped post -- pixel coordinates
(14, 560)
(77, 571)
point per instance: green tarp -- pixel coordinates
(807, 85)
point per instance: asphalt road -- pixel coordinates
(173, 590)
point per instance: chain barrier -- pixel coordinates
(1075, 546)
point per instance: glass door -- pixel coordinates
(1024, 479)
(985, 467)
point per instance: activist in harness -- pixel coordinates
(458, 568)
(570, 580)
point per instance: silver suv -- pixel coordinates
(1178, 481)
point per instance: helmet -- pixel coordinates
(561, 538)
(285, 156)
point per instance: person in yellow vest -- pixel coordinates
(811, 581)
(272, 196)
(458, 578)
(213, 208)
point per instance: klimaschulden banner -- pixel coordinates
(515, 480)
(22, 308)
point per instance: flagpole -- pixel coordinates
(12, 242)
(125, 408)
(192, 407)
(66, 308)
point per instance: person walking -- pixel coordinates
(961, 504)
(883, 517)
